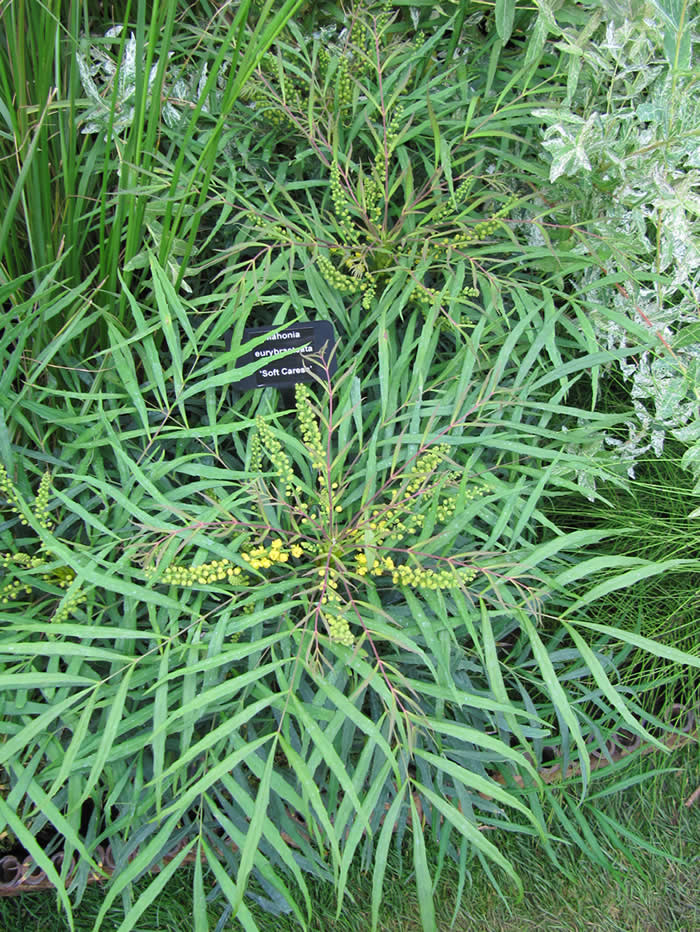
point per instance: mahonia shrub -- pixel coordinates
(362, 631)
(392, 178)
(324, 624)
(350, 552)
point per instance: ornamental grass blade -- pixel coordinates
(57, 819)
(329, 755)
(212, 774)
(607, 688)
(311, 792)
(281, 845)
(483, 785)
(630, 578)
(377, 787)
(493, 671)
(361, 721)
(228, 888)
(505, 11)
(124, 362)
(655, 648)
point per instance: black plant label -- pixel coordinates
(313, 357)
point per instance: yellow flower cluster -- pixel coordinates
(20, 559)
(264, 441)
(335, 555)
(12, 590)
(445, 509)
(7, 489)
(8, 492)
(338, 628)
(262, 558)
(368, 286)
(345, 284)
(310, 432)
(41, 502)
(344, 84)
(416, 576)
(420, 578)
(206, 574)
(479, 231)
(393, 130)
(369, 252)
(281, 95)
(373, 190)
(71, 602)
(341, 204)
(60, 576)
(425, 466)
(394, 522)
(311, 438)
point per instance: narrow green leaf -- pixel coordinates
(311, 791)
(424, 882)
(493, 670)
(489, 788)
(505, 11)
(655, 648)
(470, 832)
(380, 858)
(556, 691)
(109, 730)
(255, 829)
(152, 891)
(199, 900)
(38, 854)
(329, 755)
(357, 831)
(630, 578)
(242, 914)
(607, 688)
(40, 724)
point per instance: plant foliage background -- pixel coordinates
(281, 635)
